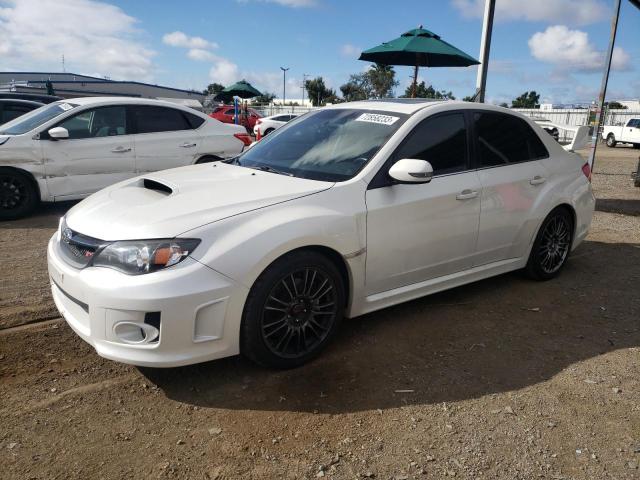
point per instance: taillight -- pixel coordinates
(586, 169)
(244, 138)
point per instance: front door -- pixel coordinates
(422, 231)
(164, 138)
(99, 152)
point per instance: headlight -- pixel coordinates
(144, 256)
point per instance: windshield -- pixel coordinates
(331, 145)
(35, 118)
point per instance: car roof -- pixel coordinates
(120, 100)
(20, 101)
(412, 105)
(397, 105)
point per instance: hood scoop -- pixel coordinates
(154, 185)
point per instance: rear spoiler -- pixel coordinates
(581, 135)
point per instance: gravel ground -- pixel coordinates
(504, 378)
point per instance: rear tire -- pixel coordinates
(18, 194)
(552, 246)
(293, 310)
(611, 140)
(268, 131)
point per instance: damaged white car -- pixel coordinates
(69, 149)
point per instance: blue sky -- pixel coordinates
(552, 46)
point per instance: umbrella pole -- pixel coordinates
(414, 87)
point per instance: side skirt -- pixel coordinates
(434, 285)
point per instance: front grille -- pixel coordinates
(78, 249)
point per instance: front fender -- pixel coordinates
(242, 247)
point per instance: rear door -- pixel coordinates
(512, 177)
(422, 231)
(165, 138)
(99, 152)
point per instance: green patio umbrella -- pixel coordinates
(242, 89)
(418, 48)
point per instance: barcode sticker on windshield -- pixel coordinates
(65, 106)
(377, 118)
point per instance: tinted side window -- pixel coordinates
(194, 120)
(11, 111)
(159, 119)
(504, 139)
(97, 122)
(231, 111)
(442, 141)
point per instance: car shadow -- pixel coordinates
(46, 215)
(624, 206)
(497, 335)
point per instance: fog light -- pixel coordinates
(135, 333)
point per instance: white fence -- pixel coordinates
(578, 117)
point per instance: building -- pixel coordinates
(69, 85)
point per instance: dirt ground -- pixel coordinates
(505, 378)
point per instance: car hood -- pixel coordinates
(168, 203)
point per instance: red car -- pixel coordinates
(225, 114)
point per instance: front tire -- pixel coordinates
(552, 246)
(611, 140)
(18, 194)
(293, 310)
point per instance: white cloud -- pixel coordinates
(573, 12)
(92, 36)
(351, 51)
(181, 39)
(570, 50)
(201, 55)
(224, 72)
(286, 3)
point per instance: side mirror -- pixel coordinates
(410, 170)
(58, 133)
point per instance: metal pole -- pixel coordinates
(485, 47)
(603, 86)
(284, 85)
(304, 80)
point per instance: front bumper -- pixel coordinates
(199, 310)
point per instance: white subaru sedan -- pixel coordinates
(69, 149)
(341, 212)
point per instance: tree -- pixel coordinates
(527, 100)
(357, 88)
(468, 98)
(382, 79)
(213, 89)
(318, 92)
(265, 98)
(422, 91)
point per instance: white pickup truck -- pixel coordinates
(630, 133)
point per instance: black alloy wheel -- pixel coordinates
(17, 195)
(552, 245)
(293, 310)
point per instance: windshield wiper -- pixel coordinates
(267, 168)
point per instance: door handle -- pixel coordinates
(467, 194)
(537, 180)
(188, 145)
(121, 150)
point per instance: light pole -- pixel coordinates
(304, 81)
(284, 85)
